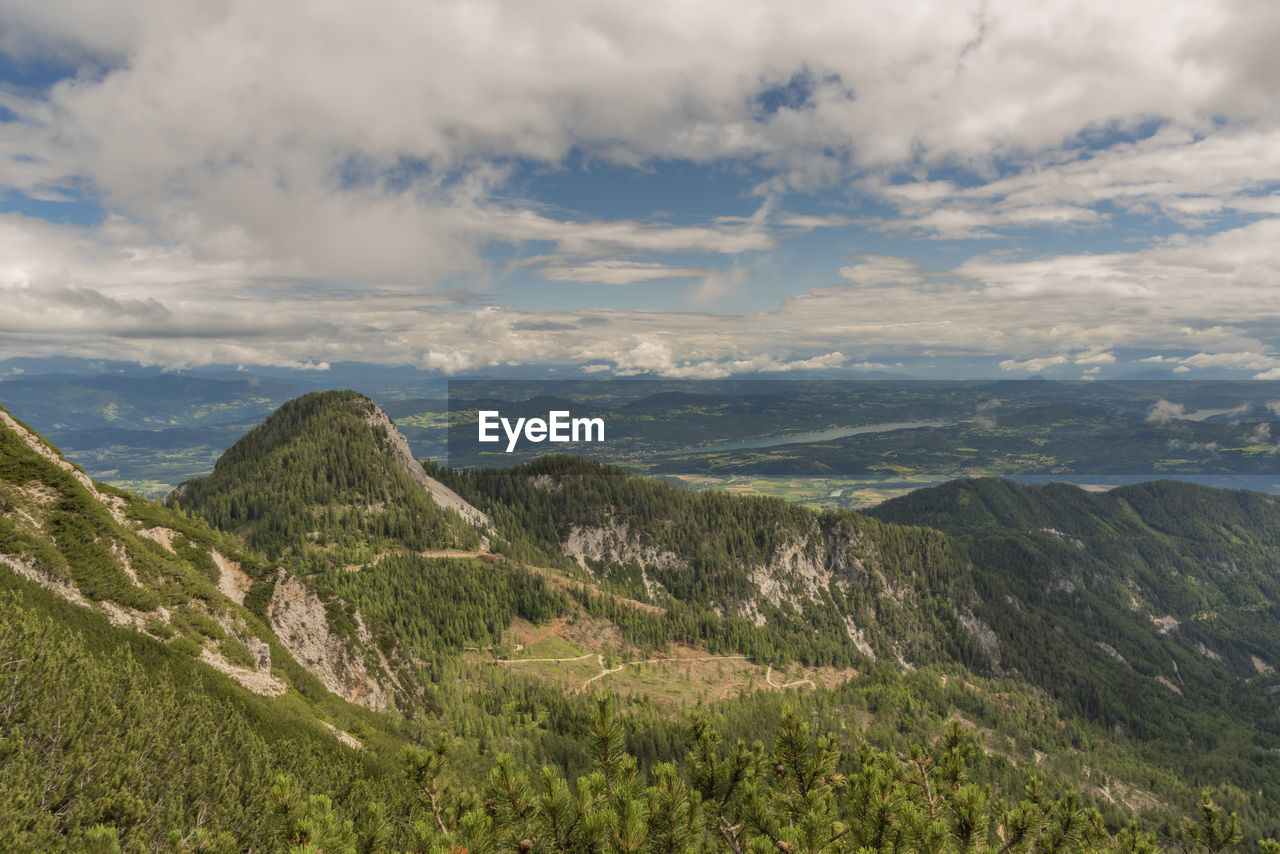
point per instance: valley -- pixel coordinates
(342, 607)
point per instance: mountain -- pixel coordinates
(303, 700)
(56, 402)
(785, 583)
(135, 639)
(328, 479)
(1175, 583)
(1150, 610)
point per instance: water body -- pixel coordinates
(806, 438)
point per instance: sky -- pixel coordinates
(684, 189)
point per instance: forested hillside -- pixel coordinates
(833, 588)
(170, 688)
(321, 481)
(1151, 610)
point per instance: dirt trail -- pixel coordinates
(768, 677)
(606, 671)
(532, 660)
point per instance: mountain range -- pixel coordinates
(324, 643)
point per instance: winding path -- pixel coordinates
(605, 671)
(768, 677)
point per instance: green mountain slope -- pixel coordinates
(329, 480)
(1150, 611)
(773, 579)
(146, 646)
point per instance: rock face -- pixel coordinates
(340, 651)
(232, 581)
(298, 617)
(983, 636)
(113, 504)
(443, 496)
(615, 543)
(813, 568)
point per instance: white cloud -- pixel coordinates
(1164, 411)
(293, 128)
(291, 182)
(1237, 361)
(649, 357)
(1034, 365)
(1096, 356)
(618, 272)
(883, 270)
(1184, 173)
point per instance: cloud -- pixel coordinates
(326, 132)
(715, 287)
(292, 183)
(1237, 413)
(1034, 365)
(1194, 447)
(1095, 356)
(883, 270)
(1235, 361)
(618, 272)
(1163, 411)
(983, 414)
(650, 357)
(1180, 173)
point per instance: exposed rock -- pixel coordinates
(1113, 652)
(297, 616)
(1165, 624)
(114, 504)
(859, 638)
(750, 609)
(1166, 683)
(1261, 666)
(1208, 653)
(441, 494)
(345, 737)
(162, 535)
(122, 555)
(232, 580)
(982, 635)
(615, 544)
(1062, 584)
(546, 483)
(1064, 537)
(255, 680)
(802, 567)
(28, 569)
